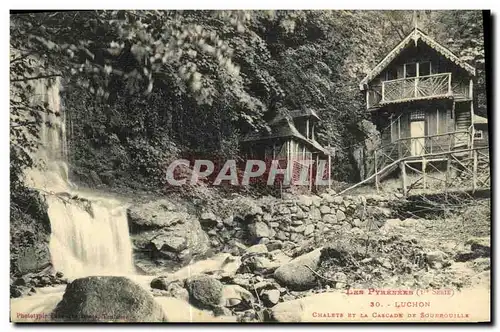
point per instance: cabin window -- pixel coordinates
(478, 134)
(417, 115)
(391, 74)
(424, 68)
(410, 69)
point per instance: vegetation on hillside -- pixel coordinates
(142, 88)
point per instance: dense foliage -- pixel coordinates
(144, 87)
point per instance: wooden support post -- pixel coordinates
(449, 85)
(289, 163)
(471, 89)
(474, 171)
(424, 166)
(416, 78)
(376, 170)
(447, 175)
(329, 168)
(402, 165)
(317, 163)
(311, 171)
(383, 91)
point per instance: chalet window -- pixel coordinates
(417, 69)
(478, 134)
(391, 74)
(417, 115)
(424, 68)
(410, 69)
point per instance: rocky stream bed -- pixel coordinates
(251, 260)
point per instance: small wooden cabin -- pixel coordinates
(291, 139)
(480, 131)
(421, 98)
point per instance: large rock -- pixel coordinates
(160, 283)
(205, 291)
(258, 230)
(233, 295)
(155, 214)
(480, 245)
(107, 299)
(287, 312)
(246, 209)
(271, 296)
(296, 275)
(164, 236)
(257, 249)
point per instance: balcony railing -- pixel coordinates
(417, 147)
(403, 89)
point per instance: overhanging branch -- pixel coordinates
(24, 79)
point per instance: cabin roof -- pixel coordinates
(284, 129)
(300, 113)
(479, 119)
(415, 36)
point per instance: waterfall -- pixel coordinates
(92, 240)
(90, 233)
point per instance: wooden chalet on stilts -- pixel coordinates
(421, 99)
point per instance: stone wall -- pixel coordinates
(292, 220)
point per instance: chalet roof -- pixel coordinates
(284, 130)
(479, 119)
(300, 113)
(415, 36)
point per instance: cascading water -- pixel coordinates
(89, 232)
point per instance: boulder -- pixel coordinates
(281, 236)
(299, 229)
(271, 297)
(204, 291)
(246, 209)
(289, 312)
(327, 197)
(258, 230)
(154, 214)
(340, 215)
(265, 240)
(274, 244)
(160, 283)
(435, 257)
(304, 200)
(233, 295)
(480, 246)
(324, 209)
(296, 275)
(257, 249)
(170, 238)
(300, 215)
(330, 218)
(314, 214)
(309, 229)
(209, 219)
(338, 200)
(107, 299)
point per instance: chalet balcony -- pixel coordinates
(418, 88)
